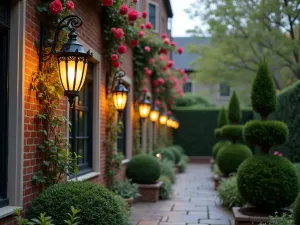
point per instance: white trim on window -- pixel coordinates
(157, 15)
(96, 60)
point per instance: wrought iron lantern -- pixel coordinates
(119, 92)
(144, 107)
(72, 58)
(163, 118)
(175, 124)
(170, 121)
(154, 113)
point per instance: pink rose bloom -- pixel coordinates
(70, 5)
(152, 60)
(141, 34)
(173, 44)
(182, 71)
(149, 72)
(167, 41)
(161, 57)
(123, 9)
(164, 35)
(142, 26)
(134, 43)
(145, 90)
(135, 1)
(147, 48)
(107, 2)
(170, 63)
(157, 102)
(160, 81)
(157, 90)
(122, 49)
(114, 57)
(280, 154)
(169, 113)
(113, 29)
(133, 15)
(56, 7)
(149, 26)
(119, 33)
(276, 153)
(180, 50)
(144, 14)
(115, 63)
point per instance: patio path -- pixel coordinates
(194, 202)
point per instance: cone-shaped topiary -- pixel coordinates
(234, 111)
(97, 205)
(143, 169)
(222, 118)
(231, 156)
(268, 182)
(263, 94)
(216, 148)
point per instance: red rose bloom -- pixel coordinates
(145, 90)
(113, 29)
(152, 60)
(167, 41)
(173, 44)
(133, 15)
(107, 2)
(149, 26)
(147, 49)
(134, 43)
(142, 26)
(119, 33)
(144, 14)
(56, 7)
(180, 50)
(70, 5)
(123, 9)
(164, 35)
(141, 34)
(135, 1)
(115, 63)
(114, 57)
(170, 63)
(122, 49)
(157, 102)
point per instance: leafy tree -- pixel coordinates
(242, 34)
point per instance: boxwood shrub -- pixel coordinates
(233, 131)
(216, 148)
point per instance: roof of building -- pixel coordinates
(183, 61)
(169, 8)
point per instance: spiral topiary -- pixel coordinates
(143, 169)
(268, 182)
(231, 157)
(97, 205)
(216, 148)
(235, 132)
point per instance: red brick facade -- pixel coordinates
(90, 33)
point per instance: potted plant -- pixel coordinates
(127, 190)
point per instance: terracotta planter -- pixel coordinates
(129, 201)
(250, 216)
(217, 180)
(149, 192)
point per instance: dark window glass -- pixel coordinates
(121, 143)
(152, 15)
(224, 89)
(187, 87)
(82, 125)
(4, 46)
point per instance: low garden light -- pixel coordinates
(163, 118)
(144, 107)
(154, 113)
(119, 92)
(159, 156)
(72, 58)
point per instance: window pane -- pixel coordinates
(224, 89)
(187, 87)
(152, 15)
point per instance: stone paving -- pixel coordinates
(194, 202)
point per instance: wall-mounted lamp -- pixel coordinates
(154, 113)
(72, 58)
(163, 118)
(175, 124)
(170, 121)
(118, 90)
(144, 107)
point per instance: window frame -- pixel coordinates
(190, 88)
(156, 30)
(228, 91)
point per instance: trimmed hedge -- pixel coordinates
(196, 131)
(268, 182)
(97, 205)
(266, 133)
(143, 169)
(288, 111)
(231, 156)
(192, 99)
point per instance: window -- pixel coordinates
(4, 46)
(224, 90)
(82, 125)
(121, 144)
(187, 87)
(152, 8)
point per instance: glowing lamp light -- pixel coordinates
(175, 124)
(158, 156)
(163, 118)
(144, 107)
(120, 93)
(154, 113)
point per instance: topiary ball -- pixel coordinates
(216, 148)
(268, 182)
(296, 210)
(143, 169)
(165, 154)
(266, 133)
(176, 153)
(97, 205)
(231, 156)
(233, 131)
(218, 132)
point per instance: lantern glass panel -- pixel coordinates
(169, 122)
(163, 119)
(144, 110)
(154, 115)
(120, 99)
